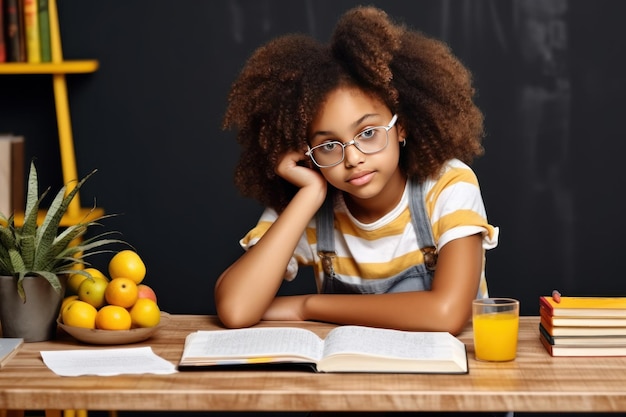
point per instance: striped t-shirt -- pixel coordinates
(388, 246)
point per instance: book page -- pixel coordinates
(252, 344)
(393, 343)
(106, 362)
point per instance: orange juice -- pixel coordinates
(495, 336)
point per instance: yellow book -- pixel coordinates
(584, 306)
(31, 28)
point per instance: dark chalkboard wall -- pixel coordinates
(550, 81)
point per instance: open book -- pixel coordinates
(345, 349)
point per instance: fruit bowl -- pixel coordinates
(113, 337)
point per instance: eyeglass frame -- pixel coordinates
(354, 142)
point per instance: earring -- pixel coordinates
(403, 142)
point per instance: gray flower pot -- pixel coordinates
(35, 319)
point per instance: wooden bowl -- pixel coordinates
(113, 337)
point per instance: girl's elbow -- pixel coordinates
(456, 328)
(234, 318)
(231, 314)
(453, 321)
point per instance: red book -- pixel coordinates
(564, 321)
(3, 47)
(582, 330)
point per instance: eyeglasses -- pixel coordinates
(370, 140)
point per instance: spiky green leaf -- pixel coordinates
(29, 228)
(47, 231)
(53, 279)
(20, 286)
(32, 192)
(46, 259)
(57, 209)
(48, 250)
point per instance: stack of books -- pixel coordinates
(583, 326)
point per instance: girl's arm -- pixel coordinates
(446, 307)
(246, 289)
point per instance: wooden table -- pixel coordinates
(535, 381)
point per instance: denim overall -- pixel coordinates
(415, 278)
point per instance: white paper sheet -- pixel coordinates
(106, 362)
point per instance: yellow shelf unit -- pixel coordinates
(65, 67)
(58, 68)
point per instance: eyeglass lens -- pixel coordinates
(371, 140)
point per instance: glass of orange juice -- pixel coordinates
(495, 323)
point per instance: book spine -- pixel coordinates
(5, 176)
(545, 333)
(544, 303)
(545, 315)
(17, 174)
(14, 31)
(21, 31)
(31, 28)
(3, 46)
(44, 31)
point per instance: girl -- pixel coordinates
(359, 149)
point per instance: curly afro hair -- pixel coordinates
(284, 83)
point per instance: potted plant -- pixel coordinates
(35, 261)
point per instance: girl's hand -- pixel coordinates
(298, 174)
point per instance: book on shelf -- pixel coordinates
(31, 31)
(583, 339)
(344, 349)
(14, 31)
(44, 31)
(555, 321)
(8, 348)
(585, 306)
(583, 349)
(12, 182)
(3, 46)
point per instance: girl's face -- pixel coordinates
(372, 182)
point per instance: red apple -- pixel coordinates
(144, 291)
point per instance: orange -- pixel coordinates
(92, 291)
(113, 317)
(121, 292)
(127, 264)
(66, 301)
(74, 281)
(95, 273)
(145, 313)
(80, 314)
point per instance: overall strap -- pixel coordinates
(325, 224)
(421, 224)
